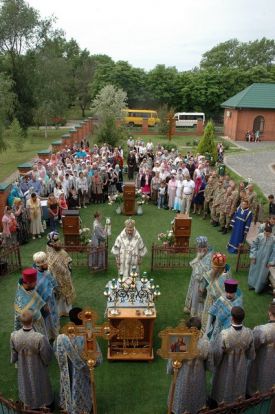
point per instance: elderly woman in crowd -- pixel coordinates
(171, 190)
(23, 225)
(9, 226)
(35, 216)
(53, 211)
(99, 237)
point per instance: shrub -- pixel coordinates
(207, 142)
(108, 132)
(169, 147)
(17, 134)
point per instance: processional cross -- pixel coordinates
(90, 331)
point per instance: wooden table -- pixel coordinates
(134, 341)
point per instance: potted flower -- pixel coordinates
(167, 238)
(85, 235)
(140, 200)
(116, 198)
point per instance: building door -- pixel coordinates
(258, 124)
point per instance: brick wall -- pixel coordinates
(240, 121)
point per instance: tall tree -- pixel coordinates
(51, 85)
(7, 99)
(108, 105)
(83, 76)
(235, 54)
(162, 83)
(21, 30)
(109, 102)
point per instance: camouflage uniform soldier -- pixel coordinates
(208, 196)
(217, 200)
(235, 196)
(251, 196)
(225, 212)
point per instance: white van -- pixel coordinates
(188, 119)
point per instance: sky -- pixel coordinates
(150, 32)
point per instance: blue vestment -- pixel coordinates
(75, 387)
(29, 300)
(221, 311)
(240, 223)
(263, 251)
(46, 284)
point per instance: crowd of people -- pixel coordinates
(81, 175)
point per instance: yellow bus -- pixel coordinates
(134, 117)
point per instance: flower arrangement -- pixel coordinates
(85, 235)
(167, 237)
(115, 198)
(141, 198)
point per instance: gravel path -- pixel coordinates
(256, 164)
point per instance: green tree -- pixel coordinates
(18, 135)
(207, 142)
(109, 132)
(108, 105)
(131, 80)
(163, 85)
(104, 66)
(21, 31)
(236, 54)
(109, 102)
(7, 99)
(51, 89)
(83, 76)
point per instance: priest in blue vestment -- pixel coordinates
(46, 287)
(240, 225)
(220, 312)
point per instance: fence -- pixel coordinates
(10, 259)
(243, 261)
(10, 407)
(95, 258)
(258, 404)
(171, 257)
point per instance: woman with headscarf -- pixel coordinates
(198, 199)
(35, 215)
(59, 264)
(23, 225)
(9, 226)
(99, 237)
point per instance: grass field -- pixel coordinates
(126, 387)
(34, 142)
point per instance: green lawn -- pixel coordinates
(124, 387)
(34, 142)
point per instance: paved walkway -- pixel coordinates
(255, 163)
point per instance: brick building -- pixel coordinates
(252, 109)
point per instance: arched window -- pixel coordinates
(258, 124)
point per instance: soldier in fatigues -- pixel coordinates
(251, 196)
(217, 200)
(225, 211)
(208, 196)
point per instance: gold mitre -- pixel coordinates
(129, 223)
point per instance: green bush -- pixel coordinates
(108, 132)
(169, 147)
(195, 142)
(226, 145)
(207, 143)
